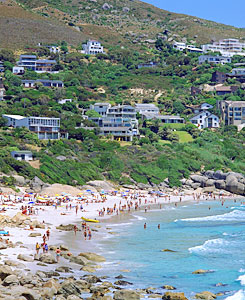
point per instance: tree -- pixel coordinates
(93, 114)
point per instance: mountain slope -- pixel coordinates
(19, 27)
(134, 20)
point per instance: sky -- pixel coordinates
(221, 11)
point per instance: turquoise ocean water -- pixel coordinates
(203, 239)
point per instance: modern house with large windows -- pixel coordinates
(232, 112)
(118, 121)
(45, 128)
(31, 62)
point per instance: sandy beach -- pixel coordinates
(68, 210)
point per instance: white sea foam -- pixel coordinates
(210, 246)
(241, 279)
(139, 218)
(242, 270)
(235, 215)
(121, 224)
(240, 295)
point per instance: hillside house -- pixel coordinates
(27, 62)
(223, 90)
(63, 101)
(211, 59)
(31, 62)
(232, 112)
(1, 67)
(119, 121)
(45, 128)
(101, 108)
(151, 64)
(18, 70)
(205, 119)
(45, 65)
(238, 73)
(227, 47)
(147, 109)
(183, 46)
(92, 47)
(218, 77)
(22, 155)
(2, 89)
(47, 83)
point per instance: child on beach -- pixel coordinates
(37, 248)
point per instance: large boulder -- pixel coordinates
(25, 257)
(68, 287)
(19, 218)
(233, 186)
(92, 256)
(205, 296)
(52, 284)
(5, 271)
(37, 184)
(47, 258)
(3, 246)
(126, 295)
(219, 175)
(101, 185)
(34, 234)
(174, 296)
(68, 227)
(199, 179)
(220, 184)
(79, 260)
(10, 280)
(13, 263)
(20, 180)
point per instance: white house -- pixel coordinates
(2, 89)
(92, 47)
(45, 128)
(22, 155)
(63, 101)
(182, 46)
(18, 70)
(205, 119)
(227, 47)
(203, 107)
(147, 108)
(214, 59)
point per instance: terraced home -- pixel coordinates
(45, 82)
(45, 128)
(118, 121)
(31, 62)
(232, 112)
(92, 47)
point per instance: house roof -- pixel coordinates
(114, 128)
(28, 56)
(236, 103)
(169, 117)
(22, 152)
(223, 89)
(144, 105)
(46, 61)
(16, 117)
(42, 81)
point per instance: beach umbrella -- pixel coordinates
(31, 202)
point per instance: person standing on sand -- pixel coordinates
(58, 254)
(37, 248)
(75, 229)
(48, 234)
(76, 209)
(44, 238)
(85, 234)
